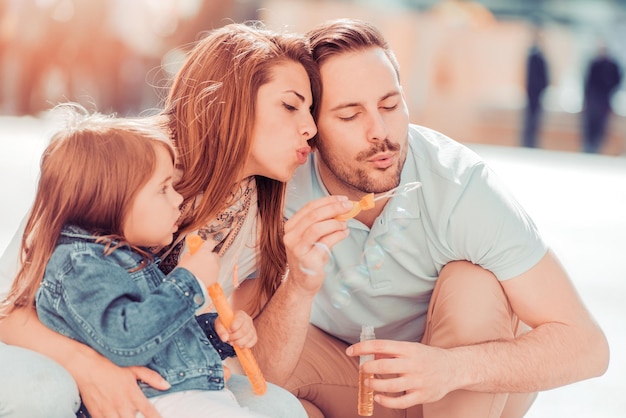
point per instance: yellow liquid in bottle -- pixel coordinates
(366, 396)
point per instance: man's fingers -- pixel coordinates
(381, 348)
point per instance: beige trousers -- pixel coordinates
(468, 306)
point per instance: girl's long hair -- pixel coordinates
(211, 111)
(89, 176)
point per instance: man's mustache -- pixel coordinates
(382, 146)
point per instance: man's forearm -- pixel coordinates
(282, 328)
(549, 356)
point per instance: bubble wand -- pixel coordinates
(369, 200)
(225, 312)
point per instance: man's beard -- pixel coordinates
(358, 178)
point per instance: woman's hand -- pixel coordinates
(203, 263)
(111, 391)
(106, 389)
(309, 235)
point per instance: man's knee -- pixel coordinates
(32, 385)
(468, 306)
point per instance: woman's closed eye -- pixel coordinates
(289, 107)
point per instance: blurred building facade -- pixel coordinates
(462, 61)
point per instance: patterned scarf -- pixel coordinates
(223, 229)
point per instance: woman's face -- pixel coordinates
(282, 125)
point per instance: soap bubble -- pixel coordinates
(400, 218)
(374, 257)
(393, 241)
(330, 265)
(354, 278)
(341, 297)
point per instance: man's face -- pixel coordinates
(362, 125)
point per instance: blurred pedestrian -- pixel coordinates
(602, 79)
(536, 82)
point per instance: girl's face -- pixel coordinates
(283, 124)
(151, 221)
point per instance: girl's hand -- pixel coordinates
(203, 263)
(242, 333)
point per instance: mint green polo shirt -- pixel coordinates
(384, 276)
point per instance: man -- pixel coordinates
(601, 81)
(449, 274)
(536, 83)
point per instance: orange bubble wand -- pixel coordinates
(225, 312)
(366, 202)
(369, 201)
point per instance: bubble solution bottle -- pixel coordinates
(366, 395)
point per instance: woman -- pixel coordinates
(239, 116)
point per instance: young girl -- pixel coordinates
(104, 198)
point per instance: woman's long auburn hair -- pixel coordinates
(211, 111)
(89, 176)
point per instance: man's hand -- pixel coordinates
(407, 373)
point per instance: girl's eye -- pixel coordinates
(289, 107)
(390, 107)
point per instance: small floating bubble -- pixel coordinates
(374, 257)
(341, 298)
(330, 265)
(393, 240)
(354, 277)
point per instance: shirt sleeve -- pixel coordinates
(207, 323)
(106, 309)
(490, 228)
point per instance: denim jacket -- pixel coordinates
(133, 317)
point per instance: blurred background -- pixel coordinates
(513, 80)
(464, 63)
